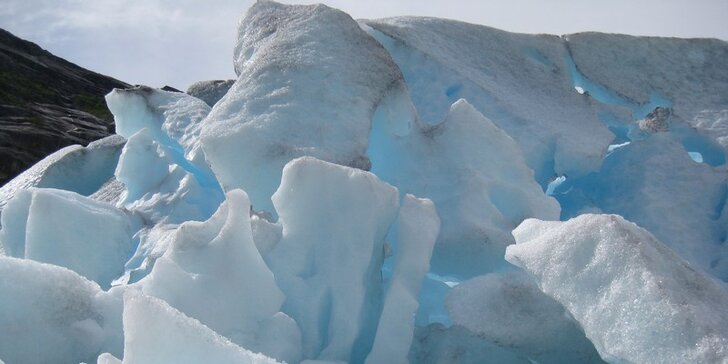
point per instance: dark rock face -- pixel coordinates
(46, 103)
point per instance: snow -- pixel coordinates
(308, 82)
(636, 300)
(154, 332)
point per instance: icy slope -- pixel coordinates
(351, 201)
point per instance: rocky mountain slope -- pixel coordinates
(46, 103)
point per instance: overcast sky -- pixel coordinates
(177, 42)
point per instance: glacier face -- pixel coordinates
(387, 191)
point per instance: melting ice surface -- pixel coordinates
(389, 191)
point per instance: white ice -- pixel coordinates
(308, 82)
(212, 271)
(48, 314)
(635, 299)
(156, 333)
(92, 238)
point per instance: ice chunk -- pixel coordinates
(508, 309)
(156, 333)
(328, 262)
(73, 168)
(309, 81)
(636, 300)
(210, 91)
(477, 177)
(47, 314)
(92, 238)
(210, 272)
(417, 228)
(655, 184)
(519, 81)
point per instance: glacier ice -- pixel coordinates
(654, 183)
(689, 75)
(328, 263)
(417, 227)
(218, 258)
(48, 314)
(516, 80)
(636, 300)
(481, 196)
(308, 82)
(352, 197)
(92, 238)
(154, 332)
(73, 168)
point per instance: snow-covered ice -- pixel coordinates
(47, 314)
(154, 332)
(308, 82)
(636, 300)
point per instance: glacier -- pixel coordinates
(402, 190)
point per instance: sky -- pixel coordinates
(178, 42)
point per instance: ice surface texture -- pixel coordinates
(309, 80)
(636, 300)
(352, 197)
